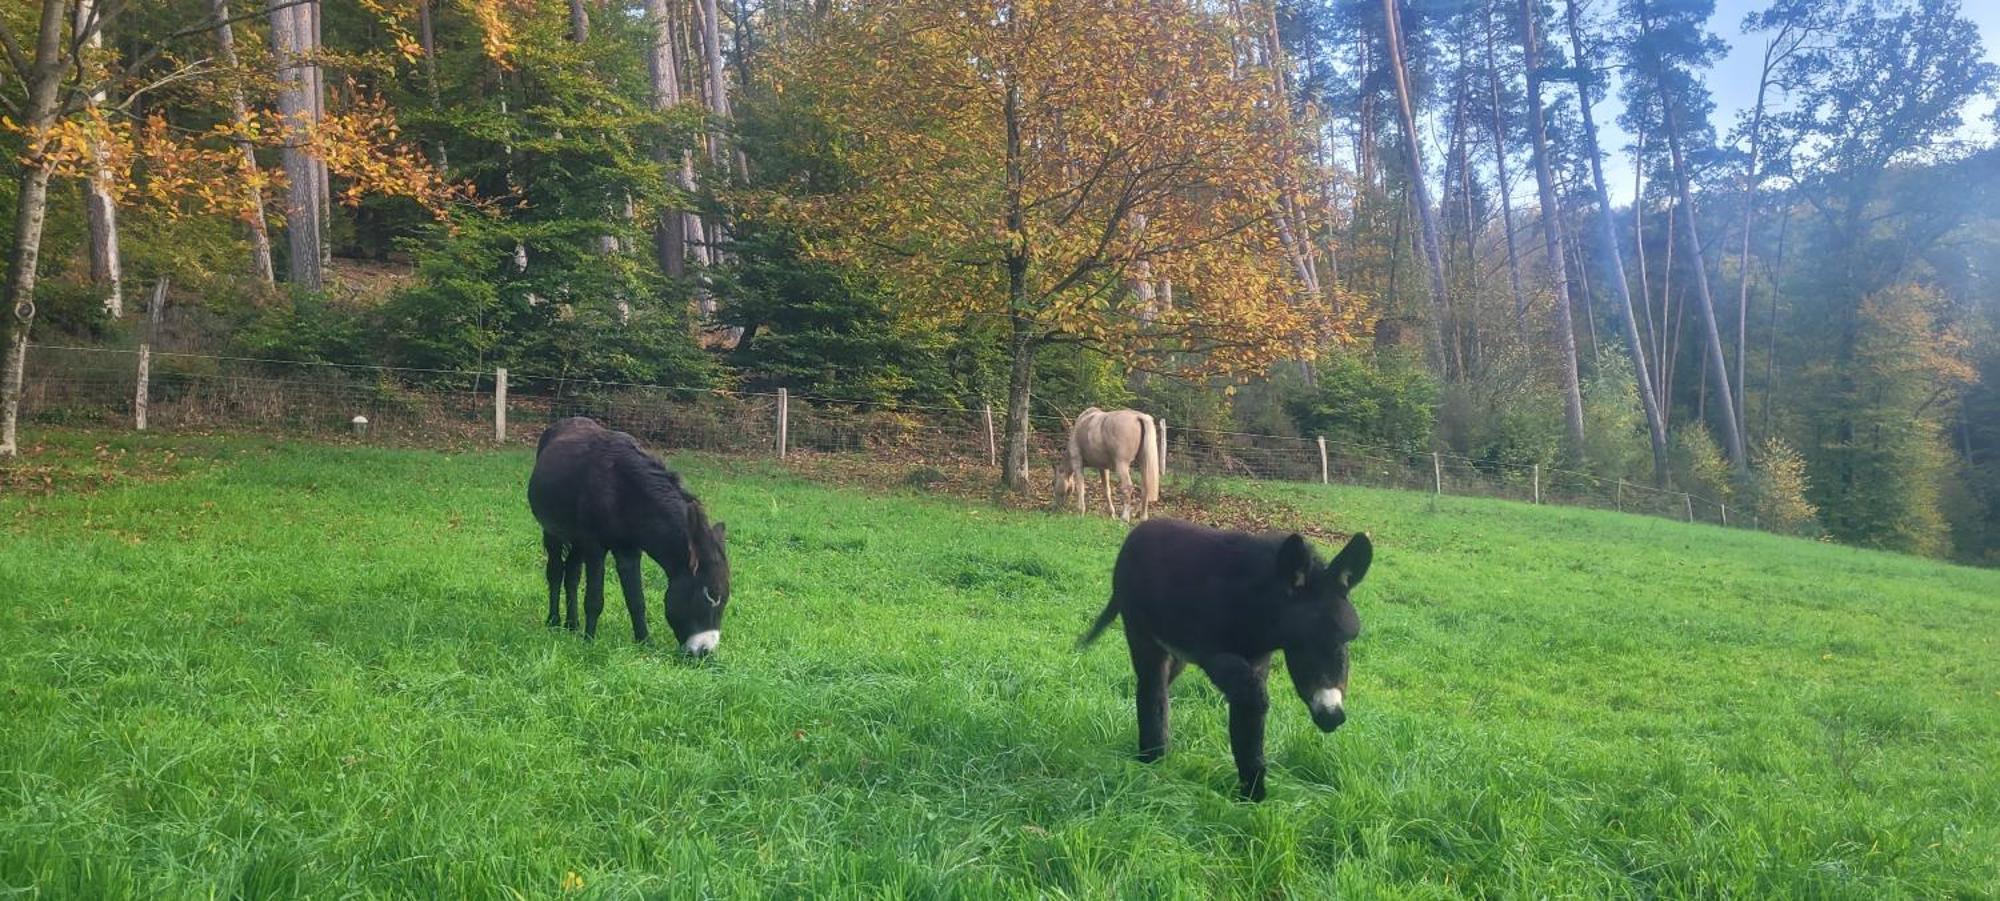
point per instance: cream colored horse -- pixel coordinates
(1110, 442)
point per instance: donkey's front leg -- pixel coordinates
(1243, 683)
(631, 579)
(1154, 671)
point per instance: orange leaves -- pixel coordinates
(182, 172)
(361, 145)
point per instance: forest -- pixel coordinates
(1522, 232)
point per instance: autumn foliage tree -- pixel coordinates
(1023, 163)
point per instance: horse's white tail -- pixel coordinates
(1149, 453)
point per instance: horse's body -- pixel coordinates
(596, 491)
(1226, 602)
(1111, 442)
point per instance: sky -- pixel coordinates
(1733, 83)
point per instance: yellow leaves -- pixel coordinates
(496, 29)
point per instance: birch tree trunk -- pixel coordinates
(1420, 197)
(291, 34)
(105, 266)
(239, 110)
(1615, 265)
(1552, 229)
(38, 114)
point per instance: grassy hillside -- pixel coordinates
(275, 669)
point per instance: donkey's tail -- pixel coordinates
(1149, 452)
(1097, 628)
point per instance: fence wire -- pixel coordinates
(98, 387)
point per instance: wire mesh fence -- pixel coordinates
(101, 387)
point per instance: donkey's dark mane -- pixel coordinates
(653, 477)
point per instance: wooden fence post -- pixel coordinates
(992, 447)
(1621, 495)
(500, 405)
(784, 420)
(1538, 483)
(1437, 474)
(1322, 459)
(1689, 500)
(1725, 512)
(141, 391)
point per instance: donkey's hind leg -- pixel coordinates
(572, 573)
(553, 547)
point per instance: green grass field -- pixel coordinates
(263, 669)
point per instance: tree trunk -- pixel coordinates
(1023, 341)
(671, 231)
(291, 34)
(38, 114)
(1615, 263)
(1420, 197)
(239, 109)
(427, 36)
(106, 269)
(579, 22)
(1732, 433)
(1750, 179)
(29, 212)
(1506, 187)
(1552, 231)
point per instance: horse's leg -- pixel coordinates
(553, 547)
(593, 588)
(1110, 502)
(631, 578)
(572, 573)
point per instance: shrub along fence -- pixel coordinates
(190, 392)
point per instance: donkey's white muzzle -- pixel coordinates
(701, 643)
(1329, 709)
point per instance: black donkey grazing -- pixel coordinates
(596, 491)
(1225, 602)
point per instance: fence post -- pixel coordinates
(1437, 474)
(1689, 500)
(141, 391)
(992, 447)
(784, 419)
(1621, 495)
(1322, 459)
(1163, 444)
(1538, 483)
(500, 405)
(1725, 512)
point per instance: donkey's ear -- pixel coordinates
(1351, 564)
(1294, 561)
